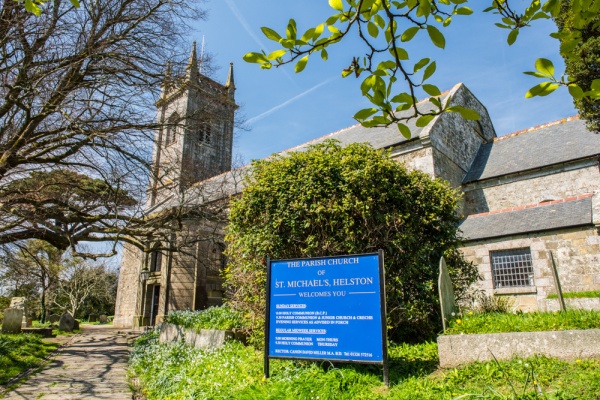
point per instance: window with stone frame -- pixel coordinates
(155, 260)
(217, 257)
(205, 131)
(171, 129)
(512, 268)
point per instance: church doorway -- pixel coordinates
(155, 301)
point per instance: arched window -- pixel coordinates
(171, 129)
(205, 132)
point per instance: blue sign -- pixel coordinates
(327, 308)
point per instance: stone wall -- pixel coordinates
(419, 158)
(531, 188)
(128, 287)
(576, 252)
(455, 350)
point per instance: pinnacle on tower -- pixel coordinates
(168, 78)
(230, 84)
(192, 67)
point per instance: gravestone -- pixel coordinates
(93, 318)
(103, 319)
(446, 293)
(66, 323)
(75, 325)
(53, 318)
(19, 303)
(13, 319)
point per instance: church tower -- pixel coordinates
(195, 138)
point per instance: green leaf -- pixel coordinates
(33, 8)
(429, 71)
(595, 84)
(270, 34)
(276, 54)
(576, 91)
(400, 53)
(404, 130)
(536, 74)
(424, 120)
(75, 3)
(379, 21)
(337, 5)
(466, 113)
(545, 67)
(543, 89)
(324, 55)
(403, 98)
(423, 62)
(463, 11)
(409, 33)
(512, 36)
(257, 58)
(291, 30)
(431, 90)
(373, 30)
(436, 36)
(365, 113)
(301, 64)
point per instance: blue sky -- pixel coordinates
(284, 109)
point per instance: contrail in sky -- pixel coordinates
(285, 103)
(238, 15)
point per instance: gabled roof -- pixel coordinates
(378, 137)
(554, 143)
(535, 218)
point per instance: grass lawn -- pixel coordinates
(21, 352)
(523, 322)
(236, 372)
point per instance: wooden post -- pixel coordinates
(561, 300)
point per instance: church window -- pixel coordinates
(205, 131)
(171, 129)
(155, 260)
(217, 256)
(512, 268)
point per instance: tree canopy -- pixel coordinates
(77, 94)
(331, 200)
(385, 27)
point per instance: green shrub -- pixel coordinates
(329, 201)
(222, 317)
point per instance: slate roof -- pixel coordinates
(554, 144)
(378, 137)
(559, 214)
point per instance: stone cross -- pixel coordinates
(446, 293)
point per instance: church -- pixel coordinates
(531, 199)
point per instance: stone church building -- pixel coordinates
(524, 195)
